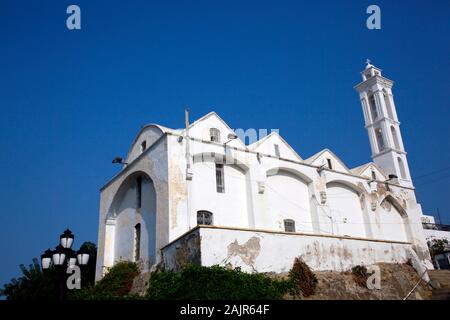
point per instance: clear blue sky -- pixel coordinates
(72, 100)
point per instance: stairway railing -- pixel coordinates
(414, 288)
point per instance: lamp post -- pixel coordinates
(46, 259)
(66, 239)
(62, 258)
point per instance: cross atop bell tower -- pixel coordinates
(381, 122)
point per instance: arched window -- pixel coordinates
(204, 217)
(395, 137)
(214, 134)
(289, 225)
(137, 242)
(380, 141)
(373, 107)
(401, 167)
(387, 102)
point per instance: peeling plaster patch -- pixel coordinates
(346, 253)
(177, 189)
(313, 254)
(247, 251)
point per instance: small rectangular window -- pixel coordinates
(289, 225)
(329, 163)
(220, 183)
(374, 175)
(137, 242)
(143, 146)
(214, 135)
(139, 192)
(277, 150)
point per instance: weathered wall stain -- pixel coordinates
(188, 251)
(247, 251)
(177, 190)
(386, 205)
(183, 252)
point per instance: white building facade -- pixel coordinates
(200, 195)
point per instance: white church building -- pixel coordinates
(201, 195)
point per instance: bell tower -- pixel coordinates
(381, 122)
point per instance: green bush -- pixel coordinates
(33, 284)
(303, 278)
(116, 284)
(216, 283)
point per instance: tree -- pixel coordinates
(437, 246)
(33, 285)
(88, 273)
(37, 285)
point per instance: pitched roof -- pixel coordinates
(360, 169)
(256, 144)
(311, 159)
(206, 116)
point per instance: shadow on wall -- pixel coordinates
(133, 218)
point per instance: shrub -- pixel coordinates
(33, 284)
(360, 275)
(437, 246)
(303, 278)
(36, 284)
(215, 283)
(116, 284)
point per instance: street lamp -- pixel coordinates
(82, 257)
(231, 136)
(59, 255)
(119, 160)
(46, 259)
(72, 257)
(62, 258)
(66, 239)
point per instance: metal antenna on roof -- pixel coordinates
(186, 133)
(188, 167)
